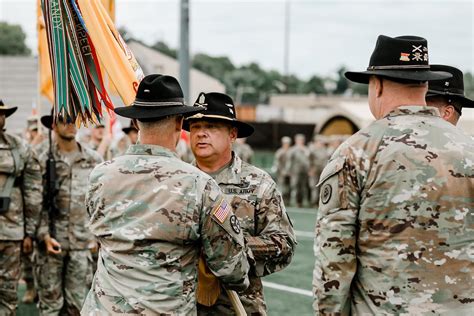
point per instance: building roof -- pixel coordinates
(152, 61)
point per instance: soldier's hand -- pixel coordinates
(27, 245)
(52, 246)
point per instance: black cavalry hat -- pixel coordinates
(158, 96)
(47, 120)
(219, 106)
(403, 58)
(6, 110)
(130, 128)
(452, 88)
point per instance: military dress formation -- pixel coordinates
(394, 228)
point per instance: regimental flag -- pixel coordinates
(221, 211)
(74, 50)
(118, 60)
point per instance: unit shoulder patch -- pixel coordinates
(235, 224)
(326, 193)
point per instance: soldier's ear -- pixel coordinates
(378, 86)
(233, 133)
(179, 122)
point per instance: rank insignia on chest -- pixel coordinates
(221, 211)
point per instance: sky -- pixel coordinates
(324, 34)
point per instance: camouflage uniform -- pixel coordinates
(317, 161)
(243, 150)
(110, 152)
(63, 279)
(395, 229)
(268, 232)
(22, 216)
(282, 174)
(153, 215)
(298, 167)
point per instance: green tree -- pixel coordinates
(342, 84)
(315, 84)
(12, 40)
(162, 47)
(216, 67)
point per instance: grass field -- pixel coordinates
(294, 297)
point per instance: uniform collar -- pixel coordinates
(229, 174)
(151, 150)
(414, 110)
(79, 157)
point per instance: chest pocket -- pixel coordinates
(245, 210)
(7, 165)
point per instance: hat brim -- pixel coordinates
(243, 129)
(9, 111)
(466, 103)
(127, 130)
(47, 121)
(156, 112)
(412, 75)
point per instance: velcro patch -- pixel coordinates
(221, 211)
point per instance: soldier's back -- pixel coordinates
(416, 178)
(147, 211)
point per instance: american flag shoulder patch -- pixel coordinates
(221, 211)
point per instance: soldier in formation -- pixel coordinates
(395, 227)
(298, 167)
(252, 194)
(20, 200)
(100, 141)
(280, 168)
(64, 262)
(130, 136)
(243, 150)
(154, 215)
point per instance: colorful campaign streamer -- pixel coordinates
(79, 89)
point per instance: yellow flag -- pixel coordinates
(44, 64)
(109, 6)
(121, 66)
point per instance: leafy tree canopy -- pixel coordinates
(12, 40)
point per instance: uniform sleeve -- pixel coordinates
(32, 192)
(43, 228)
(335, 241)
(274, 243)
(223, 242)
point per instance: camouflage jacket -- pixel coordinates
(268, 231)
(153, 215)
(395, 229)
(279, 162)
(22, 216)
(71, 221)
(298, 160)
